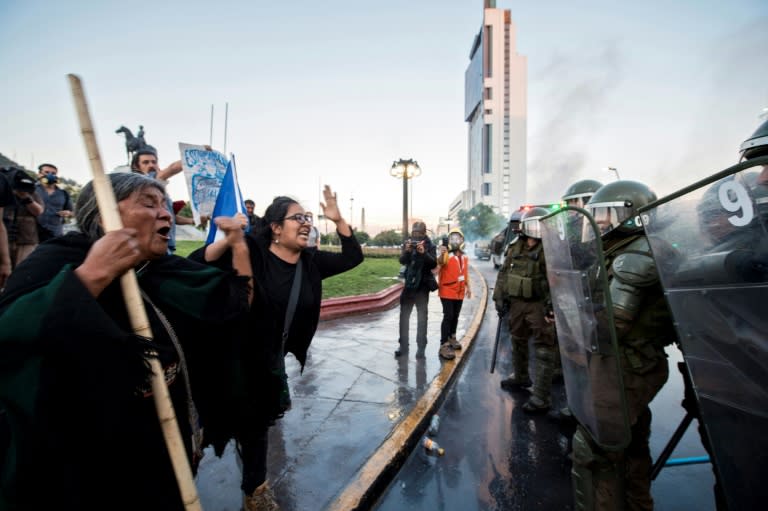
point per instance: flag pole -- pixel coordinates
(110, 217)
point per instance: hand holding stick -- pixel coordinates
(110, 215)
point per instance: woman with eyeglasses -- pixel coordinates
(284, 316)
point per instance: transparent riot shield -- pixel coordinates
(585, 330)
(711, 248)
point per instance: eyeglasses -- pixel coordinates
(302, 218)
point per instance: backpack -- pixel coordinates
(413, 273)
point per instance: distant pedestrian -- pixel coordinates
(253, 218)
(57, 203)
(6, 199)
(453, 287)
(418, 257)
(20, 217)
(145, 162)
(283, 318)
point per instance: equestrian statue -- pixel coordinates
(133, 144)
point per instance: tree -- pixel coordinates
(387, 238)
(330, 239)
(480, 222)
(362, 237)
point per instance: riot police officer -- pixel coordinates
(579, 193)
(521, 288)
(609, 480)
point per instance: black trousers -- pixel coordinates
(252, 449)
(451, 310)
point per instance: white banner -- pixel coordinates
(203, 171)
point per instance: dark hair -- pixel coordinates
(274, 214)
(141, 152)
(40, 167)
(123, 184)
(249, 201)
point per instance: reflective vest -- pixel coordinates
(453, 277)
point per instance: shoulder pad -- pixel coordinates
(635, 268)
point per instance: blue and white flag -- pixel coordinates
(229, 201)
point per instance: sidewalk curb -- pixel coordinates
(332, 308)
(373, 477)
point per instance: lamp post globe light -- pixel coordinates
(405, 170)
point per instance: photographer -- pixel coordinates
(418, 256)
(56, 201)
(20, 216)
(6, 199)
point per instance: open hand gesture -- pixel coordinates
(330, 207)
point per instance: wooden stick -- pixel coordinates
(110, 216)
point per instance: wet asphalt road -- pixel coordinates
(497, 457)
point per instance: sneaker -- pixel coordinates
(262, 499)
(454, 343)
(400, 352)
(513, 383)
(535, 405)
(446, 351)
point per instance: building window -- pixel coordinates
(488, 93)
(487, 145)
(487, 45)
(486, 189)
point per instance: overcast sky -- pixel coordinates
(332, 92)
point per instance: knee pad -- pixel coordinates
(545, 354)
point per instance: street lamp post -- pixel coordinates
(405, 170)
(615, 171)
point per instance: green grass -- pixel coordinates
(376, 272)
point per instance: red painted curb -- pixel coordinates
(332, 308)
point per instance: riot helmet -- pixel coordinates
(530, 222)
(757, 144)
(514, 221)
(614, 206)
(579, 193)
(455, 240)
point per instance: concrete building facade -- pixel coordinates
(495, 110)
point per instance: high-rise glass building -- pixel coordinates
(496, 113)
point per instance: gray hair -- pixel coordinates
(123, 184)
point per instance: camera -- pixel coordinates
(444, 241)
(20, 180)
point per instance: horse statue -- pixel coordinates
(134, 143)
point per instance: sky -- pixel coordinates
(333, 92)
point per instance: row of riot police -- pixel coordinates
(622, 275)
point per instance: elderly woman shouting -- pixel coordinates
(78, 426)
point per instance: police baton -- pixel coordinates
(496, 342)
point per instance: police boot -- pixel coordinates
(545, 366)
(520, 380)
(262, 499)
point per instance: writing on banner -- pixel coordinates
(203, 172)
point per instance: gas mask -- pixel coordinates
(50, 179)
(455, 242)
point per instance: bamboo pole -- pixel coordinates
(110, 217)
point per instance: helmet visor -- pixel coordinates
(609, 215)
(455, 239)
(531, 228)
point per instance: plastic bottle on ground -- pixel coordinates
(434, 425)
(433, 447)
